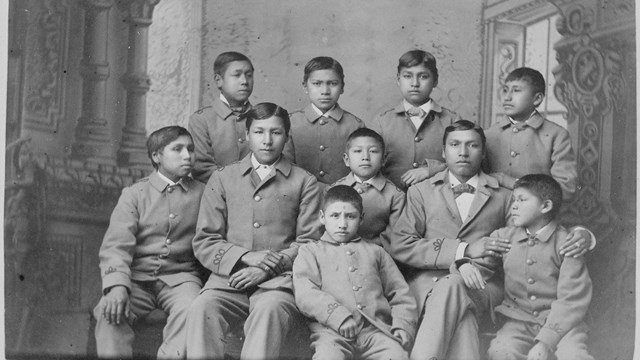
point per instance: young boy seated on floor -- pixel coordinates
(360, 305)
(146, 258)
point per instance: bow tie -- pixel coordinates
(462, 188)
(416, 111)
(238, 111)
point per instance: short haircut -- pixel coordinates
(223, 60)
(342, 193)
(364, 132)
(545, 188)
(532, 76)
(323, 63)
(266, 110)
(163, 137)
(418, 57)
(461, 125)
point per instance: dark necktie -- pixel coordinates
(462, 188)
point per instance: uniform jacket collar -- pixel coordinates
(535, 121)
(312, 115)
(377, 181)
(283, 165)
(327, 238)
(223, 110)
(544, 235)
(435, 107)
(159, 184)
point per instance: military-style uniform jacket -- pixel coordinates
(219, 137)
(150, 232)
(537, 146)
(239, 213)
(333, 281)
(542, 286)
(427, 235)
(382, 202)
(316, 143)
(408, 147)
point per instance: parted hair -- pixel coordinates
(222, 61)
(323, 63)
(342, 193)
(163, 137)
(532, 76)
(266, 110)
(417, 57)
(461, 125)
(364, 132)
(545, 188)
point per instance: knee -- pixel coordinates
(500, 350)
(275, 307)
(330, 353)
(203, 307)
(573, 353)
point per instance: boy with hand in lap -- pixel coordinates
(360, 304)
(319, 131)
(146, 258)
(382, 200)
(547, 295)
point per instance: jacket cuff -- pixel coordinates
(337, 315)
(408, 326)
(549, 337)
(230, 259)
(116, 278)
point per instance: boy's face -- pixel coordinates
(527, 209)
(364, 157)
(266, 139)
(324, 88)
(519, 100)
(236, 84)
(341, 220)
(416, 83)
(176, 159)
(463, 153)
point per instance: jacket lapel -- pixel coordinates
(447, 195)
(483, 194)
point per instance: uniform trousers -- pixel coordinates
(116, 341)
(514, 340)
(449, 328)
(268, 315)
(370, 343)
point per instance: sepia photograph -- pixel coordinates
(306, 179)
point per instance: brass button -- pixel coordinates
(529, 262)
(256, 224)
(356, 288)
(322, 147)
(415, 164)
(172, 216)
(168, 241)
(360, 191)
(240, 140)
(352, 268)
(359, 307)
(170, 189)
(321, 173)
(533, 297)
(435, 279)
(535, 313)
(416, 139)
(323, 121)
(349, 252)
(257, 198)
(515, 130)
(531, 242)
(530, 281)
(514, 154)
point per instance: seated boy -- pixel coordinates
(412, 130)
(547, 294)
(359, 302)
(320, 130)
(146, 258)
(254, 215)
(219, 130)
(382, 200)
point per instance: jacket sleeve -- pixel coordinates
(404, 310)
(397, 205)
(564, 164)
(289, 151)
(118, 245)
(205, 162)
(408, 245)
(210, 244)
(308, 224)
(312, 301)
(573, 299)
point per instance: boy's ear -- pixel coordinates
(547, 205)
(219, 80)
(155, 157)
(345, 157)
(537, 99)
(322, 217)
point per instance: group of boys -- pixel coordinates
(304, 222)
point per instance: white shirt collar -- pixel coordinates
(426, 106)
(530, 116)
(319, 112)
(256, 164)
(358, 179)
(171, 183)
(453, 180)
(224, 100)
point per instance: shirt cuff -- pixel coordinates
(461, 248)
(593, 237)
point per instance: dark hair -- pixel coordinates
(364, 132)
(323, 63)
(266, 110)
(342, 193)
(221, 62)
(532, 76)
(545, 188)
(417, 57)
(461, 125)
(163, 137)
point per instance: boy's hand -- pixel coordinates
(471, 276)
(403, 336)
(539, 351)
(267, 260)
(576, 244)
(488, 246)
(414, 176)
(348, 328)
(248, 277)
(115, 305)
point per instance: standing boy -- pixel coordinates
(319, 131)
(219, 130)
(382, 200)
(412, 130)
(359, 302)
(146, 258)
(445, 219)
(253, 217)
(547, 295)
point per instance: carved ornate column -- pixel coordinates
(133, 150)
(92, 132)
